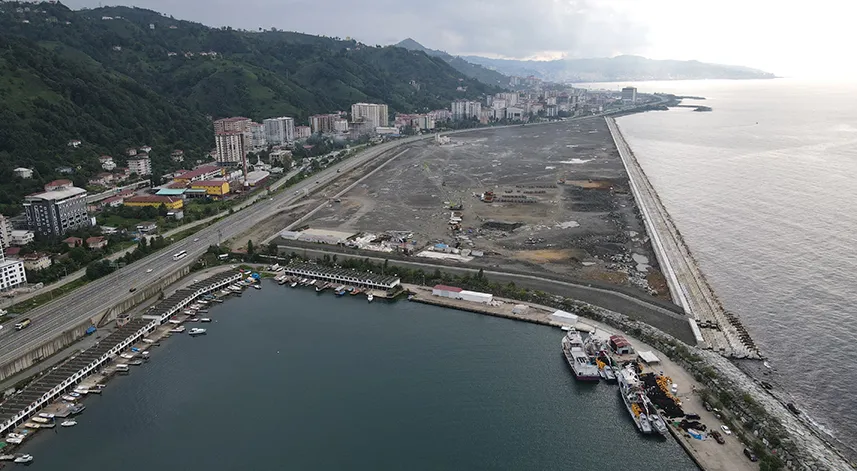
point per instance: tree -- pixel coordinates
(250, 249)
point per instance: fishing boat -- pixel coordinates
(178, 329)
(205, 319)
(23, 459)
(202, 301)
(340, 291)
(194, 332)
(46, 415)
(69, 423)
(578, 360)
(370, 297)
(356, 291)
(41, 420)
(631, 390)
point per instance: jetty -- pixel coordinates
(377, 284)
(712, 326)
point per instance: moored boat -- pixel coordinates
(578, 360)
(66, 397)
(356, 291)
(41, 420)
(23, 459)
(370, 297)
(178, 329)
(195, 331)
(205, 319)
(69, 423)
(631, 390)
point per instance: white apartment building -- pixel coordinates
(230, 147)
(12, 273)
(141, 166)
(511, 98)
(5, 232)
(22, 172)
(376, 115)
(280, 131)
(464, 109)
(340, 126)
(258, 139)
(302, 132)
(21, 237)
(235, 124)
(629, 95)
(323, 123)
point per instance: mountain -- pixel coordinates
(618, 69)
(116, 77)
(478, 72)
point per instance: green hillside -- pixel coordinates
(119, 82)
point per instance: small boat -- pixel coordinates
(217, 300)
(7, 457)
(95, 391)
(136, 362)
(174, 321)
(66, 397)
(194, 332)
(148, 341)
(202, 301)
(46, 415)
(41, 420)
(69, 423)
(312, 283)
(48, 425)
(15, 440)
(82, 391)
(356, 291)
(74, 394)
(77, 409)
(205, 319)
(122, 368)
(202, 311)
(24, 458)
(294, 283)
(257, 286)
(32, 425)
(126, 356)
(178, 329)
(193, 319)
(370, 297)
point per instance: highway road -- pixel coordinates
(50, 320)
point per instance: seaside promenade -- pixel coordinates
(713, 326)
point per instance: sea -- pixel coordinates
(763, 189)
(290, 379)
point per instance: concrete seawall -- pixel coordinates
(721, 331)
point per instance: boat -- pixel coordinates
(47, 425)
(32, 425)
(194, 332)
(81, 390)
(370, 297)
(205, 319)
(15, 440)
(174, 321)
(66, 397)
(77, 409)
(128, 356)
(178, 329)
(69, 423)
(122, 368)
(148, 341)
(202, 311)
(320, 288)
(46, 415)
(136, 362)
(201, 301)
(294, 283)
(578, 360)
(356, 291)
(340, 291)
(193, 319)
(24, 458)
(631, 390)
(7, 457)
(41, 420)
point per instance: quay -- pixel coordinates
(712, 326)
(380, 284)
(17, 409)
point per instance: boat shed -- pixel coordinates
(445, 291)
(476, 296)
(621, 345)
(649, 358)
(564, 317)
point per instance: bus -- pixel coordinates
(180, 255)
(23, 324)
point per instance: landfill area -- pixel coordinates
(533, 198)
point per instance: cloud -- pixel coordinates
(500, 28)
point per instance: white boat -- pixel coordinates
(148, 341)
(81, 391)
(69, 423)
(294, 283)
(174, 321)
(66, 397)
(122, 368)
(178, 329)
(46, 415)
(24, 459)
(205, 319)
(202, 301)
(370, 297)
(15, 440)
(127, 356)
(257, 286)
(48, 425)
(578, 360)
(195, 332)
(631, 390)
(41, 420)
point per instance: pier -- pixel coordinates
(49, 387)
(712, 326)
(373, 281)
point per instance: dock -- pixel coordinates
(712, 325)
(380, 285)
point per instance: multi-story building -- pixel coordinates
(142, 166)
(177, 155)
(464, 109)
(22, 172)
(258, 141)
(376, 115)
(551, 111)
(216, 188)
(12, 273)
(154, 201)
(206, 172)
(440, 115)
(36, 261)
(235, 124)
(511, 98)
(629, 95)
(5, 232)
(302, 132)
(231, 149)
(280, 131)
(58, 210)
(323, 123)
(340, 126)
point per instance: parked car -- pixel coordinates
(726, 430)
(692, 416)
(132, 290)
(750, 455)
(718, 437)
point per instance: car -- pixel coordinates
(726, 430)
(132, 290)
(750, 455)
(196, 240)
(718, 437)
(692, 416)
(149, 270)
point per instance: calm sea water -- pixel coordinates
(288, 379)
(763, 189)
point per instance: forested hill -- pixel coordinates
(117, 77)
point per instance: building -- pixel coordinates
(514, 114)
(374, 114)
(629, 95)
(620, 345)
(464, 109)
(12, 273)
(323, 123)
(5, 232)
(36, 261)
(154, 201)
(235, 124)
(21, 237)
(73, 242)
(177, 155)
(140, 165)
(280, 155)
(257, 177)
(58, 210)
(22, 172)
(102, 179)
(96, 243)
(258, 138)
(279, 131)
(302, 132)
(440, 115)
(147, 227)
(458, 293)
(206, 172)
(340, 126)
(218, 188)
(231, 149)
(108, 165)
(551, 111)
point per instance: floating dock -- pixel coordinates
(342, 276)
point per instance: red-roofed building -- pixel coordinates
(620, 345)
(73, 241)
(445, 291)
(12, 252)
(216, 188)
(57, 184)
(97, 242)
(206, 172)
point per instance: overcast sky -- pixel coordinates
(785, 37)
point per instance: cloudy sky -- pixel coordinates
(785, 37)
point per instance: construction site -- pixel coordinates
(550, 198)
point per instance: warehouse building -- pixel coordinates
(453, 292)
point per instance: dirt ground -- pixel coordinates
(562, 202)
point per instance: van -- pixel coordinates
(750, 455)
(23, 324)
